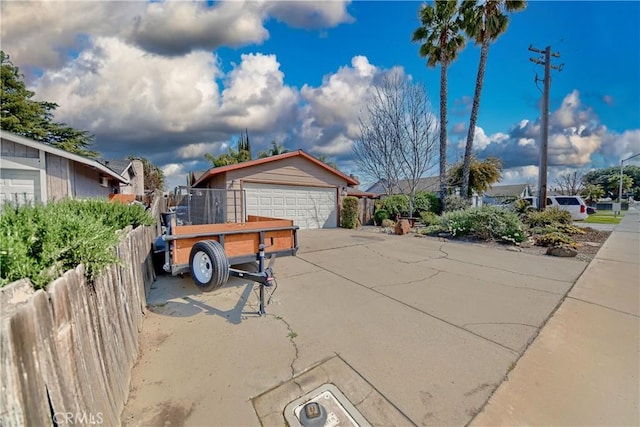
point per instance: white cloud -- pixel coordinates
(576, 138)
(310, 14)
(198, 150)
(43, 33)
(177, 28)
(330, 119)
(520, 175)
(48, 33)
(256, 97)
(115, 88)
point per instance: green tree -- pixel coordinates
(483, 21)
(482, 174)
(592, 193)
(273, 151)
(327, 161)
(244, 147)
(614, 182)
(609, 179)
(440, 38)
(232, 156)
(153, 175)
(22, 115)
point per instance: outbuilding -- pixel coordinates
(293, 185)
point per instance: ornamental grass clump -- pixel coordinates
(485, 223)
(555, 239)
(548, 217)
(42, 242)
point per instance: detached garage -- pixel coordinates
(293, 186)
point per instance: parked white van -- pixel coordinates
(572, 204)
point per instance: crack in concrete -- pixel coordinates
(499, 323)
(510, 350)
(602, 306)
(363, 399)
(386, 255)
(446, 254)
(508, 271)
(409, 282)
(292, 335)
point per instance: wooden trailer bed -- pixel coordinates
(209, 251)
(240, 241)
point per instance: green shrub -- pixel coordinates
(554, 239)
(42, 242)
(521, 206)
(388, 223)
(453, 202)
(380, 215)
(396, 205)
(486, 223)
(425, 201)
(549, 217)
(570, 229)
(432, 229)
(429, 218)
(349, 212)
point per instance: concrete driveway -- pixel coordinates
(412, 330)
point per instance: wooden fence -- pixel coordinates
(67, 351)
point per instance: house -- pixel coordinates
(499, 194)
(133, 170)
(31, 171)
(293, 185)
(430, 184)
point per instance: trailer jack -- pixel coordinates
(264, 276)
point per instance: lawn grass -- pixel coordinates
(604, 217)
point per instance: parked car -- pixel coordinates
(591, 210)
(572, 204)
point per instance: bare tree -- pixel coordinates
(398, 136)
(570, 183)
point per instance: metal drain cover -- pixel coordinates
(339, 410)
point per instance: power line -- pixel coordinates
(544, 140)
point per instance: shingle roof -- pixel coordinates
(430, 183)
(116, 164)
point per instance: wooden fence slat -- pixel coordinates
(70, 348)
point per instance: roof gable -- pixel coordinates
(222, 169)
(9, 136)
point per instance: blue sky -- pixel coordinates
(171, 81)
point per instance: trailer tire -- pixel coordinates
(208, 265)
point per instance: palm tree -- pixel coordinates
(483, 21)
(441, 41)
(327, 161)
(273, 151)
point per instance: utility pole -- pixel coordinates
(544, 140)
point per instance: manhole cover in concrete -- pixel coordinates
(324, 406)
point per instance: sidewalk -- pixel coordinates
(583, 368)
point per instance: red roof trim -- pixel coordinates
(221, 169)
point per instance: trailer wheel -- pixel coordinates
(208, 265)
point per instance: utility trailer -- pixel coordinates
(208, 251)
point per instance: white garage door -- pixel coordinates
(19, 186)
(308, 207)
